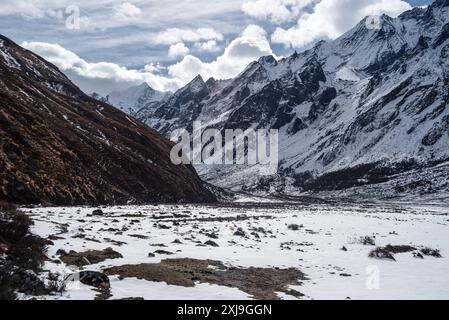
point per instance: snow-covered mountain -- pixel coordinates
(367, 109)
(132, 99)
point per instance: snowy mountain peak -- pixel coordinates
(268, 61)
(197, 84)
(131, 100)
(144, 86)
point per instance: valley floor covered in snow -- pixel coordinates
(252, 250)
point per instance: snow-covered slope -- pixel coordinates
(134, 98)
(331, 244)
(352, 112)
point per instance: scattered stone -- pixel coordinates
(83, 236)
(431, 252)
(367, 241)
(418, 255)
(382, 253)
(211, 243)
(98, 212)
(294, 293)
(240, 233)
(55, 238)
(389, 251)
(139, 236)
(92, 278)
(115, 242)
(294, 227)
(109, 230)
(255, 234)
(163, 252)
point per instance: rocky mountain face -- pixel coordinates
(59, 146)
(367, 111)
(133, 99)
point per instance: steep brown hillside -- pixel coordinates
(59, 146)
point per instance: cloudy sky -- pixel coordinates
(106, 45)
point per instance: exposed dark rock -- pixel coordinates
(297, 126)
(139, 236)
(163, 252)
(211, 243)
(366, 174)
(442, 37)
(389, 251)
(346, 275)
(294, 227)
(382, 253)
(91, 278)
(98, 212)
(212, 235)
(437, 132)
(240, 233)
(431, 252)
(367, 241)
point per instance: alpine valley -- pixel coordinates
(357, 208)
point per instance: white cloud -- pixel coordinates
(209, 46)
(331, 18)
(154, 68)
(101, 76)
(176, 35)
(178, 50)
(150, 16)
(104, 77)
(127, 10)
(278, 11)
(30, 10)
(250, 46)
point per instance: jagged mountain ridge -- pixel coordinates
(351, 112)
(132, 99)
(59, 146)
